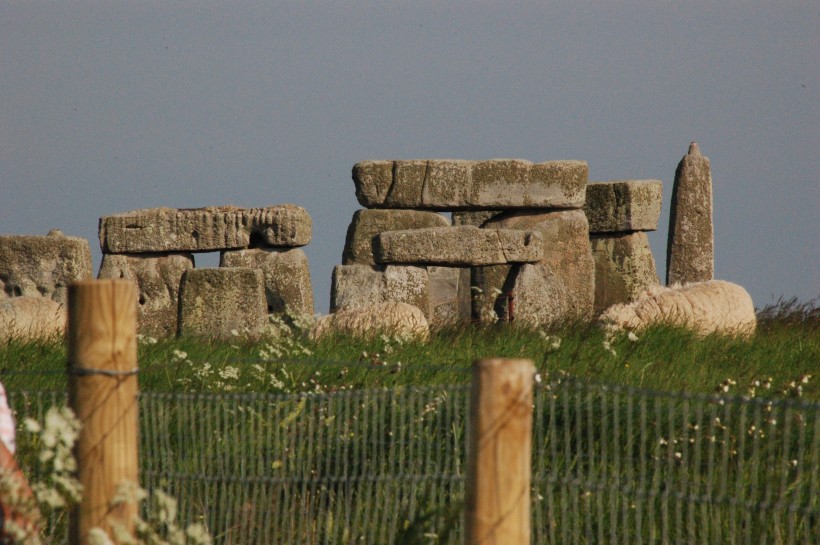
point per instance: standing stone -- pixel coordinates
(355, 286)
(470, 185)
(566, 288)
(366, 224)
(624, 268)
(222, 303)
(288, 289)
(158, 278)
(446, 307)
(42, 266)
(465, 280)
(690, 255)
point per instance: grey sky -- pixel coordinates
(113, 106)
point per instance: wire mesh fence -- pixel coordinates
(611, 464)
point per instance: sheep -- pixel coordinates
(714, 306)
(400, 319)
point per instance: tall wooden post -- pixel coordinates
(102, 352)
(497, 510)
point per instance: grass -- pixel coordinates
(783, 353)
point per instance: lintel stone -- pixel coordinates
(204, 229)
(623, 205)
(470, 185)
(465, 245)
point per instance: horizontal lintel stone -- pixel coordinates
(623, 205)
(464, 245)
(446, 184)
(204, 229)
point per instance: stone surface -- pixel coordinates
(392, 318)
(567, 270)
(472, 185)
(28, 318)
(474, 218)
(288, 289)
(366, 224)
(158, 278)
(458, 246)
(355, 286)
(624, 268)
(216, 302)
(623, 205)
(715, 306)
(447, 307)
(204, 229)
(690, 255)
(42, 266)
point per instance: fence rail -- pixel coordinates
(610, 464)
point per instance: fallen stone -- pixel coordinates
(204, 229)
(288, 289)
(458, 246)
(355, 286)
(158, 278)
(42, 266)
(35, 318)
(624, 268)
(566, 266)
(715, 306)
(690, 255)
(623, 205)
(366, 224)
(472, 185)
(222, 303)
(392, 318)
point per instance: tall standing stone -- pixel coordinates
(690, 253)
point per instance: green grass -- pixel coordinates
(784, 351)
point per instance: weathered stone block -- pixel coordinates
(449, 300)
(366, 224)
(567, 270)
(624, 268)
(356, 286)
(32, 318)
(222, 302)
(204, 229)
(471, 185)
(690, 248)
(158, 278)
(42, 266)
(623, 205)
(474, 218)
(460, 246)
(287, 277)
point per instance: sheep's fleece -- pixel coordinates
(715, 306)
(394, 318)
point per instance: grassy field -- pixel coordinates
(779, 360)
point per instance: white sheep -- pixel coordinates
(715, 306)
(401, 319)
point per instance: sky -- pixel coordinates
(111, 106)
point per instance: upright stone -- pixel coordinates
(690, 253)
(288, 289)
(446, 307)
(560, 284)
(159, 230)
(42, 266)
(624, 267)
(355, 286)
(470, 185)
(366, 224)
(158, 278)
(222, 303)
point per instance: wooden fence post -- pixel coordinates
(497, 510)
(102, 367)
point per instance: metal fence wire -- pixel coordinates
(611, 464)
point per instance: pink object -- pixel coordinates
(7, 430)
